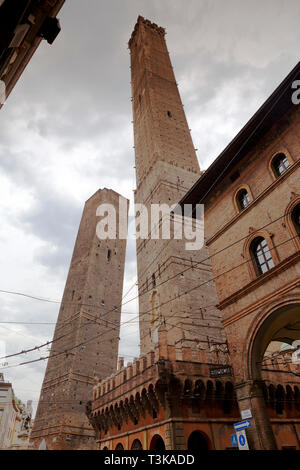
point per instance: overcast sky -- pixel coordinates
(65, 131)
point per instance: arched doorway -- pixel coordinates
(136, 445)
(157, 443)
(282, 326)
(119, 446)
(279, 327)
(197, 441)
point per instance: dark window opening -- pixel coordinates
(169, 114)
(153, 280)
(154, 414)
(243, 199)
(280, 164)
(136, 445)
(108, 255)
(261, 255)
(280, 396)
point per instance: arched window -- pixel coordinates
(243, 199)
(296, 218)
(119, 446)
(136, 445)
(261, 255)
(280, 164)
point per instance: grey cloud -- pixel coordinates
(76, 94)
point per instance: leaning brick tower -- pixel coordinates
(86, 338)
(166, 168)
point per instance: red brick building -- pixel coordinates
(251, 194)
(171, 397)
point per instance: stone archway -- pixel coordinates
(281, 323)
(197, 442)
(157, 443)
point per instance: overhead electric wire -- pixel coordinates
(168, 301)
(211, 186)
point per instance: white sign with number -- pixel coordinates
(242, 440)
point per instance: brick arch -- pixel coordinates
(200, 389)
(260, 324)
(157, 443)
(188, 387)
(198, 441)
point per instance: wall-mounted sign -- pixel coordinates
(220, 371)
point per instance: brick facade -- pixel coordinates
(259, 304)
(89, 316)
(166, 167)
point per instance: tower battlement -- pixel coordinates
(142, 21)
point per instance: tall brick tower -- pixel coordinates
(166, 167)
(86, 333)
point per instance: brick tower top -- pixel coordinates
(141, 22)
(161, 132)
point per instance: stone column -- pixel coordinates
(174, 430)
(250, 396)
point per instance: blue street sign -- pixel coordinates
(242, 425)
(234, 441)
(242, 440)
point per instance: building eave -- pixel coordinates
(279, 102)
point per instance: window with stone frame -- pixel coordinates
(243, 199)
(280, 164)
(261, 256)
